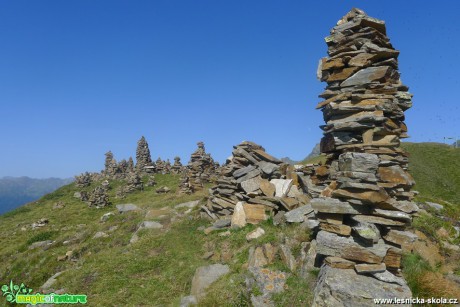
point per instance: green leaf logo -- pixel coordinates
(12, 290)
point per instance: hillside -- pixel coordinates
(16, 191)
(157, 269)
(436, 170)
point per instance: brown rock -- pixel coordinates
(393, 258)
(267, 188)
(395, 174)
(340, 263)
(343, 230)
(373, 197)
(254, 213)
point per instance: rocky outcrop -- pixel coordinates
(367, 202)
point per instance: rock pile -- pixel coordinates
(98, 198)
(253, 182)
(83, 180)
(144, 163)
(177, 167)
(159, 166)
(133, 183)
(367, 203)
(201, 169)
(111, 167)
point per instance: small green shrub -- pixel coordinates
(43, 236)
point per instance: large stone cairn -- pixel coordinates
(177, 167)
(201, 169)
(367, 204)
(144, 163)
(257, 183)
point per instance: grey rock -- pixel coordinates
(344, 287)
(367, 231)
(287, 257)
(267, 167)
(367, 75)
(42, 244)
(127, 207)
(255, 234)
(47, 285)
(251, 174)
(330, 244)
(311, 224)
(205, 276)
(150, 225)
(298, 215)
(251, 185)
(282, 186)
(222, 223)
(391, 214)
(358, 162)
(100, 234)
(435, 206)
(332, 205)
(389, 278)
(243, 171)
(188, 301)
(106, 216)
(191, 204)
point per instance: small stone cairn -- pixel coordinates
(366, 206)
(98, 198)
(201, 169)
(177, 167)
(83, 180)
(134, 183)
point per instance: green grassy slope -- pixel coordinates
(436, 170)
(158, 269)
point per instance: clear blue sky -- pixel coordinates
(79, 78)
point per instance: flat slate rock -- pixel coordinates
(190, 204)
(222, 223)
(205, 276)
(127, 207)
(298, 215)
(344, 287)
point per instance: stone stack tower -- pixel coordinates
(367, 204)
(144, 163)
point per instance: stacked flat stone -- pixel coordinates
(201, 169)
(185, 187)
(367, 204)
(259, 181)
(98, 198)
(111, 169)
(159, 166)
(177, 167)
(134, 183)
(167, 167)
(83, 180)
(144, 163)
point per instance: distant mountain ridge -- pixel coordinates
(315, 152)
(17, 191)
